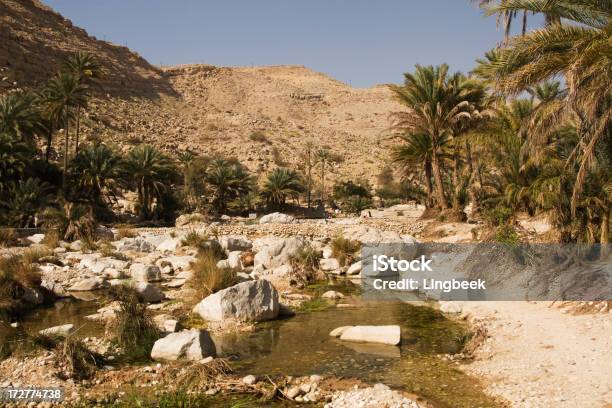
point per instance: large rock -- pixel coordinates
(89, 284)
(145, 273)
(273, 252)
(137, 244)
(246, 301)
(148, 292)
(36, 238)
(191, 345)
(235, 243)
(169, 245)
(373, 334)
(234, 261)
(329, 264)
(60, 331)
(178, 263)
(276, 218)
(354, 269)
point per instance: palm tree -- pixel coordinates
(15, 155)
(60, 96)
(25, 198)
(281, 184)
(228, 179)
(309, 163)
(150, 172)
(323, 157)
(85, 67)
(506, 16)
(578, 46)
(416, 153)
(435, 105)
(97, 170)
(19, 117)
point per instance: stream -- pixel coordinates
(301, 345)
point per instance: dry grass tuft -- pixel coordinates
(305, 263)
(345, 250)
(125, 232)
(207, 278)
(7, 237)
(134, 328)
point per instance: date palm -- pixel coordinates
(227, 179)
(281, 184)
(19, 117)
(97, 172)
(86, 68)
(435, 106)
(60, 97)
(577, 46)
(150, 173)
(415, 153)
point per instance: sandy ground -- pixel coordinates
(538, 356)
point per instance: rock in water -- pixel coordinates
(246, 301)
(192, 345)
(61, 331)
(148, 293)
(373, 334)
(276, 218)
(89, 284)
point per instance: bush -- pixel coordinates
(194, 239)
(506, 234)
(356, 204)
(75, 359)
(51, 239)
(7, 236)
(125, 232)
(344, 250)
(305, 263)
(17, 273)
(134, 329)
(498, 215)
(259, 137)
(207, 278)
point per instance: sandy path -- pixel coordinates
(540, 357)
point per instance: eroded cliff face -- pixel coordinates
(202, 108)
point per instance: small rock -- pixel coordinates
(249, 379)
(332, 294)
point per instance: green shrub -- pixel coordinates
(356, 204)
(344, 250)
(506, 234)
(134, 328)
(499, 215)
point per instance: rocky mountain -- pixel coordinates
(262, 115)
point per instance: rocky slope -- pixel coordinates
(202, 108)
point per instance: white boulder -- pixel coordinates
(247, 301)
(373, 334)
(145, 273)
(191, 345)
(276, 218)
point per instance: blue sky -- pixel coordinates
(360, 42)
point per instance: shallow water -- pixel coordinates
(301, 345)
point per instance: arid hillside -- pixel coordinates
(262, 115)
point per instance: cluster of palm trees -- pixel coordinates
(528, 130)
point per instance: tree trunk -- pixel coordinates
(604, 240)
(66, 153)
(78, 124)
(323, 183)
(428, 186)
(309, 178)
(473, 188)
(49, 143)
(456, 181)
(439, 188)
